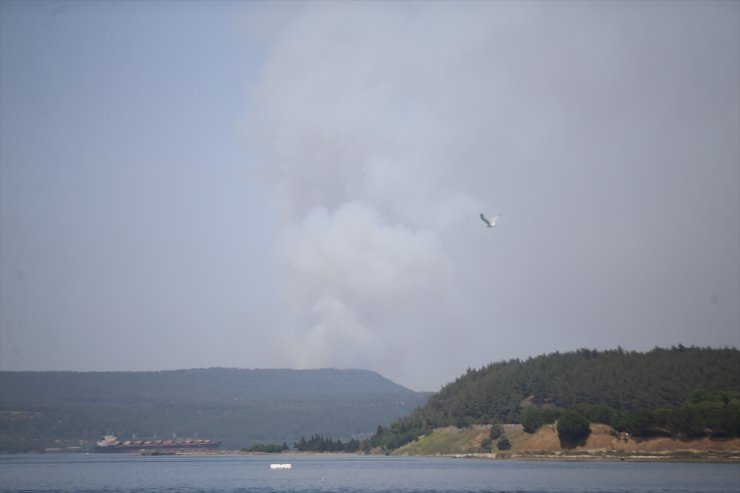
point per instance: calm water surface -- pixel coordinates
(87, 473)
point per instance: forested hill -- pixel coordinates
(240, 407)
(208, 387)
(661, 378)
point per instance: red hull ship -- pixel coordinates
(110, 443)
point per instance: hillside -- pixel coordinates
(661, 378)
(40, 410)
(644, 393)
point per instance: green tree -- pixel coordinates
(532, 419)
(503, 443)
(496, 431)
(641, 422)
(485, 444)
(687, 421)
(599, 413)
(724, 422)
(265, 448)
(573, 429)
(301, 445)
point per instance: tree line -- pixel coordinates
(318, 443)
(712, 414)
(681, 391)
(267, 448)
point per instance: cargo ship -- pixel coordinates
(109, 443)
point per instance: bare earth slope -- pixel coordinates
(603, 442)
(603, 438)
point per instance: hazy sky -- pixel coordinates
(298, 185)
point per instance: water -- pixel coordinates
(88, 473)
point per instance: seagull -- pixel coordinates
(490, 222)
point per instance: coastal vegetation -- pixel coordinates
(684, 392)
(318, 443)
(266, 448)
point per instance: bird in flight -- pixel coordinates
(490, 222)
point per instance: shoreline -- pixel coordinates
(709, 457)
(602, 444)
(718, 457)
(546, 456)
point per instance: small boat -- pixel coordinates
(281, 466)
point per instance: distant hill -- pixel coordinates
(41, 410)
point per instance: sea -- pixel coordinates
(117, 473)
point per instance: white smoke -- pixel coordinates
(385, 128)
(355, 125)
(357, 275)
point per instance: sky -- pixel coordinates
(298, 184)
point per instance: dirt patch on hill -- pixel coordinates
(603, 439)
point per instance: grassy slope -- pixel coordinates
(452, 441)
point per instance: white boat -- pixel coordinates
(281, 466)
